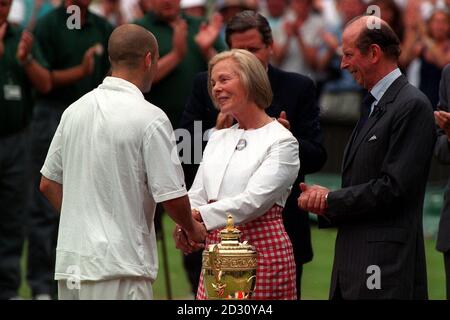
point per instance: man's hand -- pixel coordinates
(88, 62)
(330, 40)
(223, 121)
(313, 198)
(208, 33)
(197, 234)
(181, 240)
(190, 241)
(283, 120)
(2, 35)
(24, 47)
(443, 121)
(289, 29)
(179, 40)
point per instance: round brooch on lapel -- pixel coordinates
(242, 143)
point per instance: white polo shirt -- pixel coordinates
(115, 155)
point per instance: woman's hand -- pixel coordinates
(223, 121)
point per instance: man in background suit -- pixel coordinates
(379, 251)
(294, 95)
(442, 152)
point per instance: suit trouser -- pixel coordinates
(14, 172)
(447, 272)
(43, 223)
(132, 288)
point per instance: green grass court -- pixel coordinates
(317, 274)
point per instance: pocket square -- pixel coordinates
(372, 138)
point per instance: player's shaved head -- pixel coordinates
(128, 44)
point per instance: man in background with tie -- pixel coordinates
(379, 251)
(442, 153)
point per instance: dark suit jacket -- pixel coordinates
(295, 94)
(442, 152)
(378, 211)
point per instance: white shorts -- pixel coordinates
(117, 289)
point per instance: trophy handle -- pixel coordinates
(250, 292)
(215, 262)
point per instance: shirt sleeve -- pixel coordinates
(53, 166)
(275, 176)
(164, 173)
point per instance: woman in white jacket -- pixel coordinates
(247, 171)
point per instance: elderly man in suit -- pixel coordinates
(442, 152)
(294, 103)
(379, 251)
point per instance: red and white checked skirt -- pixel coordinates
(275, 274)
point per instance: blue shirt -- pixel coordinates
(381, 87)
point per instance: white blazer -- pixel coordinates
(245, 172)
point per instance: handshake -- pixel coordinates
(313, 199)
(192, 240)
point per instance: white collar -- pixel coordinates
(119, 84)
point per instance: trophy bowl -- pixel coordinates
(229, 267)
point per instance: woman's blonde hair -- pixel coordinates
(251, 72)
